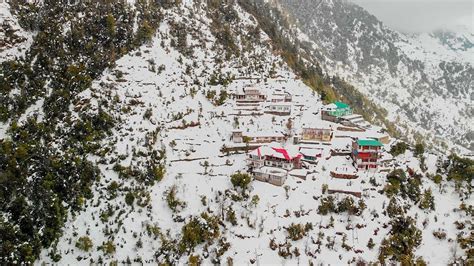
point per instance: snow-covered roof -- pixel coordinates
(272, 171)
(330, 106)
(264, 133)
(351, 117)
(311, 152)
(312, 123)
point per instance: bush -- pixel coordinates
(427, 200)
(84, 243)
(230, 216)
(398, 148)
(108, 247)
(197, 231)
(326, 205)
(241, 180)
(298, 231)
(173, 202)
(371, 244)
(129, 198)
(439, 234)
(419, 149)
(255, 200)
(393, 209)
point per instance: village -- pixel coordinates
(331, 137)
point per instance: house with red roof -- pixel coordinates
(275, 156)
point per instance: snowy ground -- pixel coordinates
(168, 93)
(24, 38)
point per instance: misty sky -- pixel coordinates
(411, 16)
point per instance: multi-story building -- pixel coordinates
(366, 153)
(249, 95)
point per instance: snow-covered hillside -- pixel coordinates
(116, 148)
(455, 45)
(14, 40)
(422, 81)
(164, 103)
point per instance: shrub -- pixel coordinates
(298, 231)
(439, 234)
(173, 202)
(129, 198)
(108, 247)
(230, 216)
(197, 231)
(241, 180)
(255, 200)
(419, 149)
(326, 205)
(393, 209)
(427, 200)
(371, 244)
(398, 148)
(84, 243)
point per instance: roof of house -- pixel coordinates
(329, 107)
(272, 171)
(369, 142)
(274, 150)
(341, 105)
(311, 152)
(352, 117)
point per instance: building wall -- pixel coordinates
(326, 116)
(272, 179)
(316, 134)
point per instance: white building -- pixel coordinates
(278, 108)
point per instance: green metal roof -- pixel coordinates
(341, 105)
(369, 142)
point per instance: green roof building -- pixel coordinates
(341, 109)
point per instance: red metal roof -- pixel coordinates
(285, 153)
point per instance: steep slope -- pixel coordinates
(168, 99)
(127, 163)
(432, 96)
(14, 40)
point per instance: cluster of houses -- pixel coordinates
(269, 160)
(272, 163)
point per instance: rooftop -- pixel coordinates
(369, 142)
(311, 152)
(272, 171)
(341, 105)
(274, 150)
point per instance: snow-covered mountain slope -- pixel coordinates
(430, 91)
(164, 97)
(14, 40)
(455, 45)
(114, 151)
